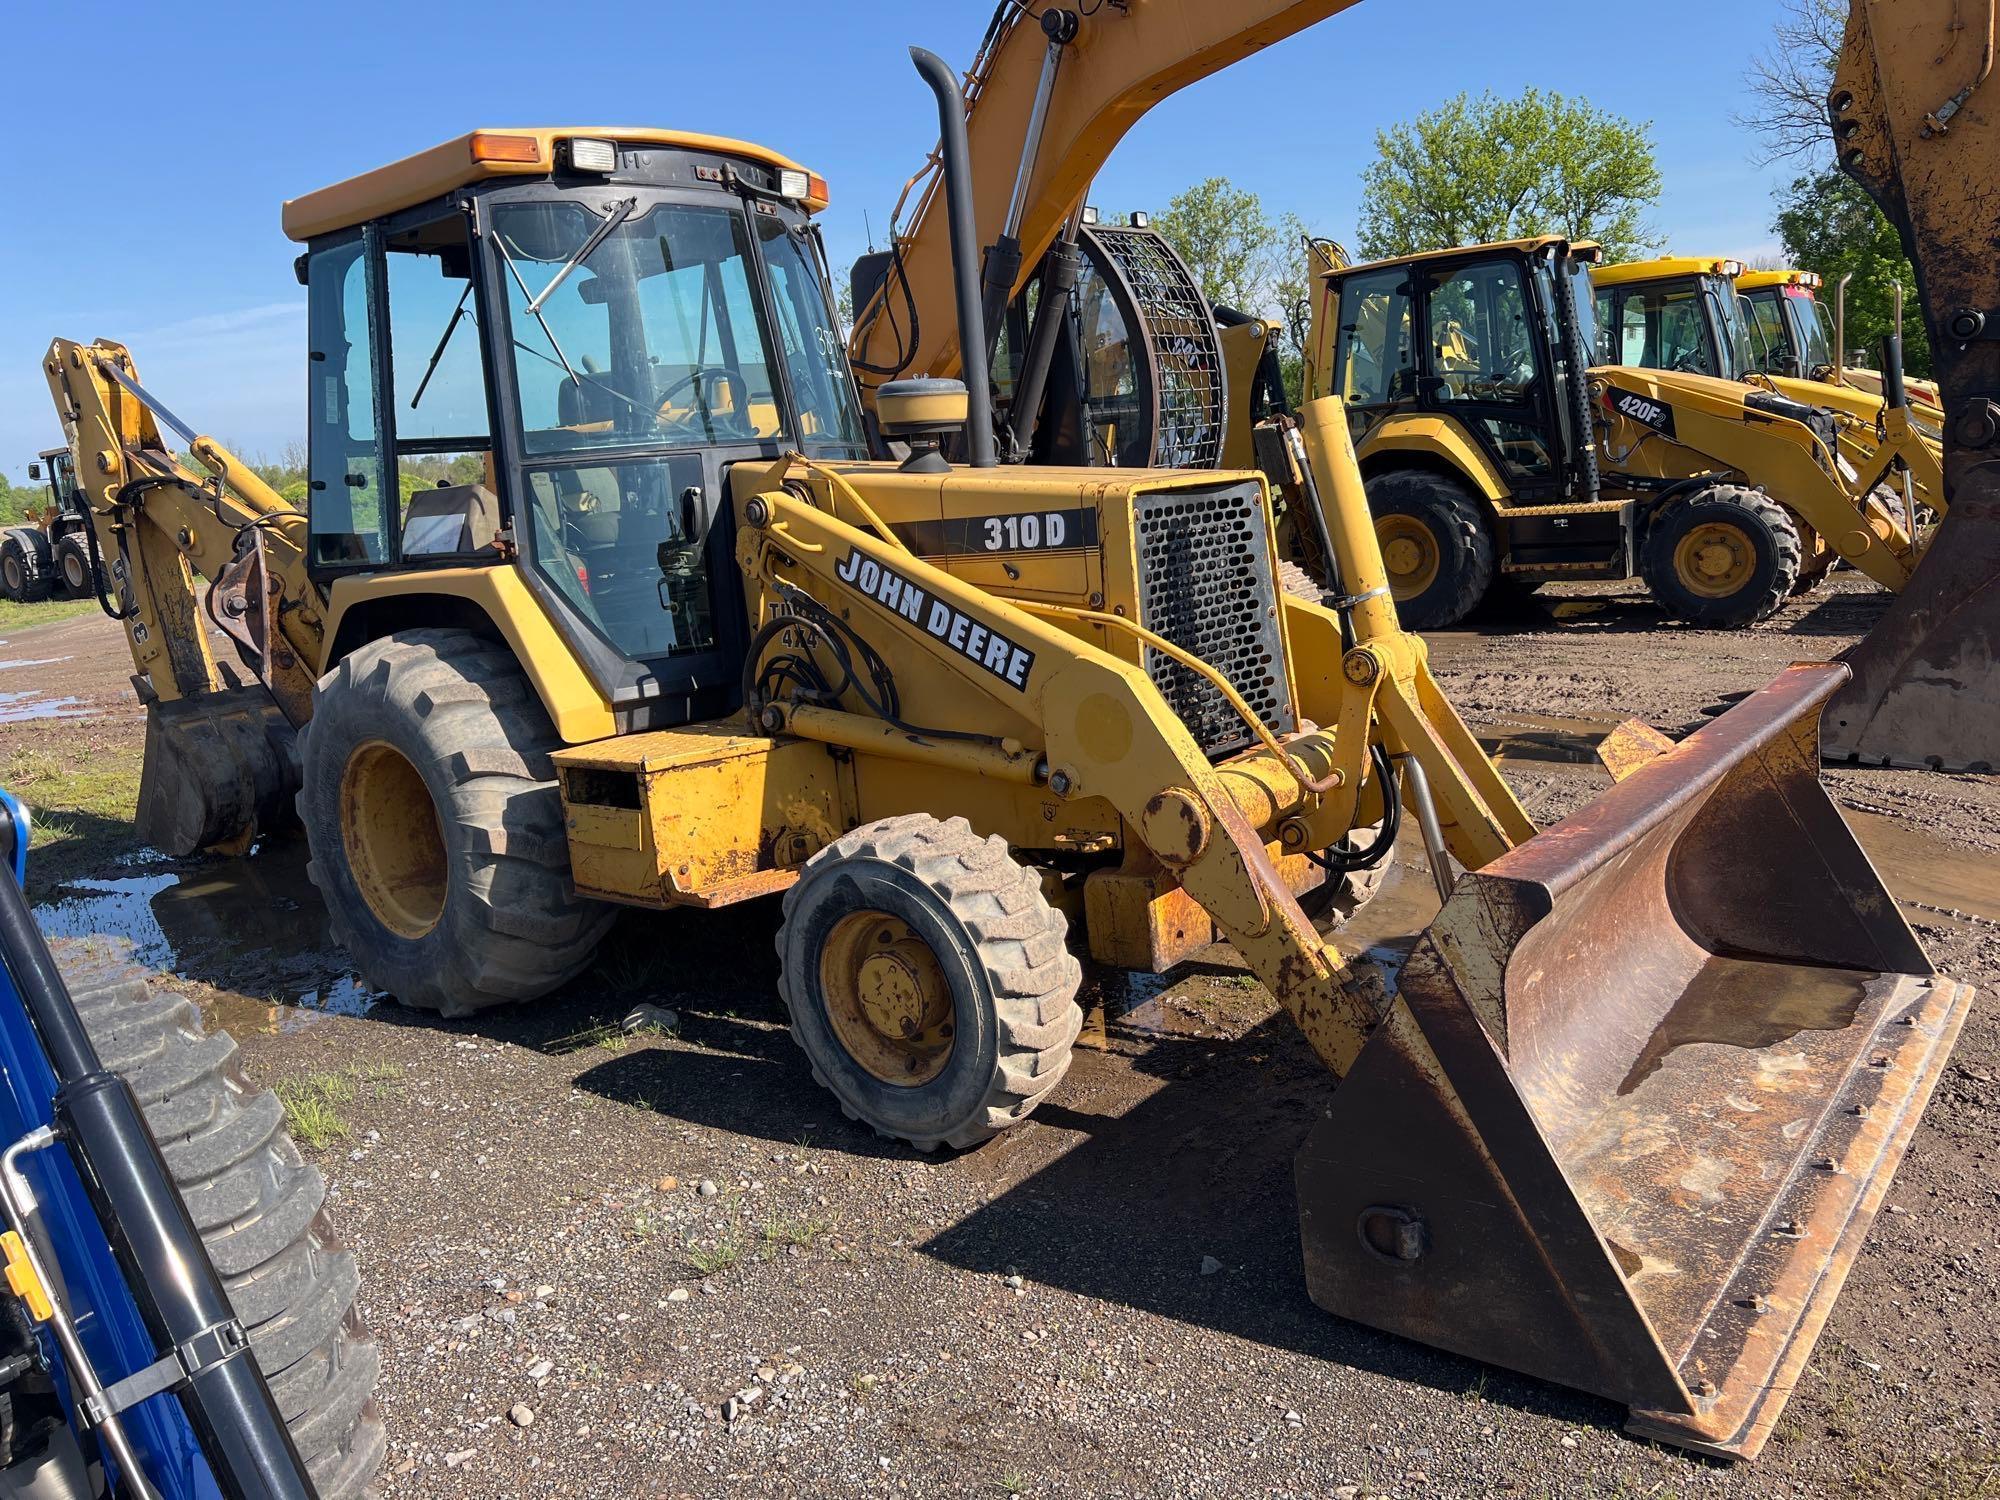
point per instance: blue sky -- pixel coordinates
(146, 194)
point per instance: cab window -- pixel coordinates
(1663, 328)
(447, 496)
(1482, 337)
(1375, 360)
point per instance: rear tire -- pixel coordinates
(24, 565)
(260, 1210)
(436, 830)
(929, 981)
(1725, 557)
(1434, 543)
(72, 565)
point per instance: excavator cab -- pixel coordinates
(558, 368)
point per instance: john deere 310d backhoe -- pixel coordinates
(675, 640)
(1105, 352)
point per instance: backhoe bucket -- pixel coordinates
(221, 769)
(1643, 1091)
(1926, 688)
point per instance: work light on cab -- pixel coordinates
(586, 155)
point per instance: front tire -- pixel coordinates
(1725, 557)
(436, 830)
(24, 566)
(929, 981)
(1435, 546)
(72, 565)
(260, 1211)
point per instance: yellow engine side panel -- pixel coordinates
(701, 816)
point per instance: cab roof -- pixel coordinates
(1581, 249)
(1750, 281)
(478, 156)
(1665, 267)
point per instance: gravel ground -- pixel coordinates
(661, 1264)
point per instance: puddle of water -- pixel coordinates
(1545, 737)
(1122, 1005)
(19, 708)
(1922, 869)
(32, 661)
(254, 928)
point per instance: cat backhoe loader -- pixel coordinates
(1792, 333)
(1694, 313)
(1498, 448)
(1622, 1122)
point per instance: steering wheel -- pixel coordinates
(696, 382)
(1688, 361)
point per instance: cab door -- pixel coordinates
(1484, 363)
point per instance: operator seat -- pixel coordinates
(451, 520)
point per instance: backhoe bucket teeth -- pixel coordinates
(1643, 1091)
(220, 770)
(1926, 688)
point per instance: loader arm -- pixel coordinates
(1122, 61)
(1106, 734)
(1916, 120)
(162, 531)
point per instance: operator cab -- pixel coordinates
(1789, 327)
(1676, 313)
(546, 347)
(1497, 337)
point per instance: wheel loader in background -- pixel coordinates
(50, 551)
(1791, 333)
(1131, 369)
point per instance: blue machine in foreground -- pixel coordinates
(123, 1368)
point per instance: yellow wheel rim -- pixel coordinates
(1715, 560)
(395, 846)
(887, 998)
(1409, 552)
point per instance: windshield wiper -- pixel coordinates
(438, 353)
(620, 212)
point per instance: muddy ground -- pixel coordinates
(1108, 1301)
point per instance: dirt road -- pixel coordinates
(669, 1257)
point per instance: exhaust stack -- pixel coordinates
(957, 176)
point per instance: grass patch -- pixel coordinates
(312, 1107)
(724, 1255)
(607, 1038)
(15, 616)
(313, 1103)
(781, 1234)
(82, 802)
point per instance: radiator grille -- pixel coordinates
(1206, 584)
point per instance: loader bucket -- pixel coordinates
(1643, 1091)
(1926, 688)
(220, 770)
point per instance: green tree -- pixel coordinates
(1829, 225)
(1475, 170)
(1228, 242)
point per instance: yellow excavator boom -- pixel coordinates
(1119, 63)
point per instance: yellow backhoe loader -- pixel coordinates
(1791, 333)
(1500, 446)
(1622, 1122)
